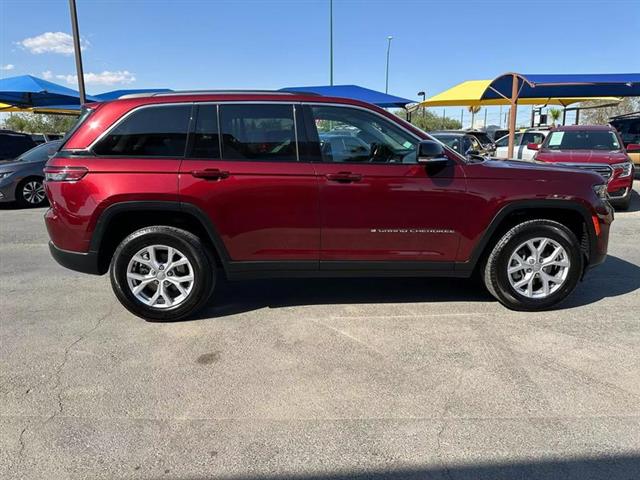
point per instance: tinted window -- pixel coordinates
(41, 153)
(352, 135)
(583, 140)
(450, 141)
(149, 132)
(12, 145)
(206, 142)
(532, 137)
(264, 132)
(504, 141)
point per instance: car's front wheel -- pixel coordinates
(162, 273)
(535, 265)
(30, 193)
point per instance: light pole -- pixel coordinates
(76, 48)
(331, 42)
(386, 85)
(423, 94)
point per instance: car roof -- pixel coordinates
(449, 133)
(568, 128)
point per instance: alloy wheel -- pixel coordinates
(538, 267)
(33, 192)
(160, 276)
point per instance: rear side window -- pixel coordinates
(262, 132)
(533, 137)
(206, 141)
(158, 131)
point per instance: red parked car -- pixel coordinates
(167, 191)
(597, 148)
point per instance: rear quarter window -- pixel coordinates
(151, 131)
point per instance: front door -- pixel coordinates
(377, 203)
(243, 170)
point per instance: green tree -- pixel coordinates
(555, 114)
(39, 123)
(429, 121)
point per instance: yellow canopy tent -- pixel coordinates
(59, 111)
(470, 93)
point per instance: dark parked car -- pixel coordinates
(13, 144)
(462, 142)
(167, 191)
(21, 179)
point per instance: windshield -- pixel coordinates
(582, 140)
(41, 153)
(482, 137)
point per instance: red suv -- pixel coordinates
(167, 191)
(594, 147)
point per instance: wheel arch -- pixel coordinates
(573, 215)
(120, 219)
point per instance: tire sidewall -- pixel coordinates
(518, 301)
(190, 247)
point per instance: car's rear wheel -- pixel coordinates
(162, 273)
(30, 192)
(534, 265)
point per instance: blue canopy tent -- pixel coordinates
(355, 92)
(27, 91)
(513, 86)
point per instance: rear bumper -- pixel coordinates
(78, 261)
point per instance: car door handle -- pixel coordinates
(344, 177)
(210, 174)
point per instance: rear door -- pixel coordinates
(380, 205)
(246, 169)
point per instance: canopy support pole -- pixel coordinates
(76, 49)
(512, 115)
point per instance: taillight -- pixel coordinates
(64, 174)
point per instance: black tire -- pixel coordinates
(30, 201)
(495, 270)
(204, 271)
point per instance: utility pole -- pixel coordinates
(76, 49)
(386, 85)
(331, 42)
(485, 118)
(423, 94)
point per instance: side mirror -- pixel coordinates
(633, 148)
(430, 152)
(533, 146)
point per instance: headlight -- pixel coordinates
(624, 168)
(601, 191)
(5, 175)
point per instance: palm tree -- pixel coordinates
(555, 114)
(474, 109)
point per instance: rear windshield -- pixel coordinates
(582, 140)
(13, 145)
(482, 137)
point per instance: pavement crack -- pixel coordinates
(445, 412)
(67, 351)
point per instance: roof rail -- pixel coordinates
(210, 92)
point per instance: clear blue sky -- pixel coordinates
(271, 44)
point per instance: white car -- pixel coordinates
(520, 149)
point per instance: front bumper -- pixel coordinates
(78, 261)
(601, 241)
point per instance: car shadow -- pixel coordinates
(609, 467)
(615, 277)
(634, 205)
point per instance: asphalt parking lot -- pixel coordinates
(388, 378)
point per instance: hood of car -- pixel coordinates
(12, 165)
(581, 156)
(528, 170)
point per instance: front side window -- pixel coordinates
(158, 131)
(352, 135)
(583, 140)
(504, 141)
(259, 132)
